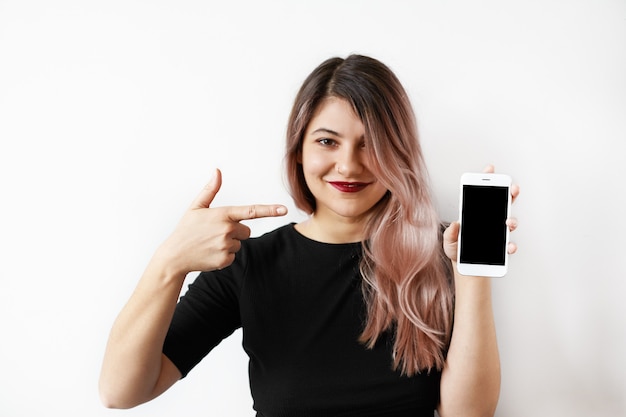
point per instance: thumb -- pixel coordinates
(206, 196)
(450, 240)
(451, 234)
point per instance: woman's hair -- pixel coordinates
(406, 277)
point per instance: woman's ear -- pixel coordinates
(299, 155)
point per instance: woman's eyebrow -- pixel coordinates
(326, 130)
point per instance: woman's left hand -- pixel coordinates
(451, 234)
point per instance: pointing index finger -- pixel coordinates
(256, 211)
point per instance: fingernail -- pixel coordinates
(281, 210)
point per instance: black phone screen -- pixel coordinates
(483, 222)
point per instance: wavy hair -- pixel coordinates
(406, 277)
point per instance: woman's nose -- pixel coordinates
(349, 163)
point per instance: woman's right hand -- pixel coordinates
(134, 368)
(207, 238)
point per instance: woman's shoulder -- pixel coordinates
(272, 242)
(278, 235)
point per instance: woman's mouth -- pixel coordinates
(349, 187)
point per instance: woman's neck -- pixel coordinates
(332, 231)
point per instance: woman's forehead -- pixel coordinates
(336, 116)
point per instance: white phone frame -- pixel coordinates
(483, 179)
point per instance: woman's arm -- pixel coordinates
(134, 369)
(470, 382)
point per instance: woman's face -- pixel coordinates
(336, 164)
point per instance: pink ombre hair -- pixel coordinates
(407, 280)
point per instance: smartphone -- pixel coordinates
(485, 204)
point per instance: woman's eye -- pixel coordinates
(326, 142)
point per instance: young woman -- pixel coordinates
(348, 313)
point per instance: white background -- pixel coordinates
(114, 113)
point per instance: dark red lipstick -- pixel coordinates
(349, 187)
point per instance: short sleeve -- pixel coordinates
(204, 316)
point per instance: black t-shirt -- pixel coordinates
(301, 308)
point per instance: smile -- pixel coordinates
(349, 187)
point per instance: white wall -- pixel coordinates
(112, 115)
